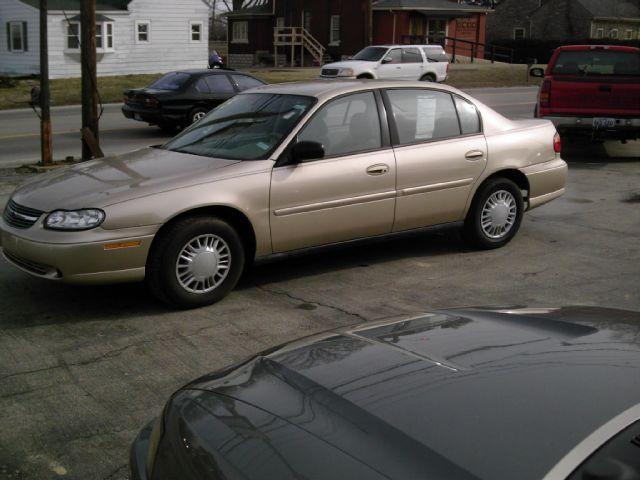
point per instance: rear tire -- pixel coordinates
(196, 114)
(428, 77)
(495, 214)
(195, 262)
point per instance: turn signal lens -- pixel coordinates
(557, 143)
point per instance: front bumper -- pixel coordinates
(626, 128)
(95, 261)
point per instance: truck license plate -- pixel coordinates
(604, 122)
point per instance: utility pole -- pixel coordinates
(46, 148)
(90, 138)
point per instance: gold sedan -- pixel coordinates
(282, 168)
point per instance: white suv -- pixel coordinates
(393, 62)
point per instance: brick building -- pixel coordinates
(306, 31)
(564, 20)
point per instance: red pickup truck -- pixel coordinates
(592, 90)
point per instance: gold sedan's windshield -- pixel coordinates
(246, 127)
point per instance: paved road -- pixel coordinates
(19, 129)
(82, 369)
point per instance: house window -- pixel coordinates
(143, 31)
(306, 20)
(629, 34)
(73, 36)
(280, 22)
(613, 34)
(109, 35)
(518, 33)
(334, 30)
(104, 36)
(17, 36)
(240, 33)
(600, 33)
(99, 39)
(196, 31)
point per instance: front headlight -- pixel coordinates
(85, 219)
(347, 72)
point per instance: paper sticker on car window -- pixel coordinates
(263, 146)
(426, 117)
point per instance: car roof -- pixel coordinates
(619, 48)
(322, 89)
(501, 393)
(209, 71)
(439, 47)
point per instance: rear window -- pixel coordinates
(171, 81)
(597, 62)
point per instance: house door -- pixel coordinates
(436, 29)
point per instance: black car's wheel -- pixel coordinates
(196, 114)
(429, 77)
(194, 262)
(495, 214)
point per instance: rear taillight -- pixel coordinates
(545, 93)
(557, 143)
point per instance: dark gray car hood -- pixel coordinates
(501, 394)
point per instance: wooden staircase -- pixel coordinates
(297, 36)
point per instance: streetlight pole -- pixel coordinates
(46, 148)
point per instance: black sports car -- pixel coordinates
(504, 394)
(181, 98)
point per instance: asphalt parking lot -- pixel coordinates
(82, 369)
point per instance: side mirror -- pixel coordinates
(536, 72)
(302, 151)
(386, 60)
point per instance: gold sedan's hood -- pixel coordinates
(115, 179)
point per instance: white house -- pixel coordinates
(132, 36)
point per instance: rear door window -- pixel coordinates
(201, 86)
(245, 83)
(219, 83)
(597, 62)
(411, 55)
(469, 116)
(422, 115)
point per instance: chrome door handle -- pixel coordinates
(379, 169)
(474, 155)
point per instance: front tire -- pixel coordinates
(195, 262)
(495, 214)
